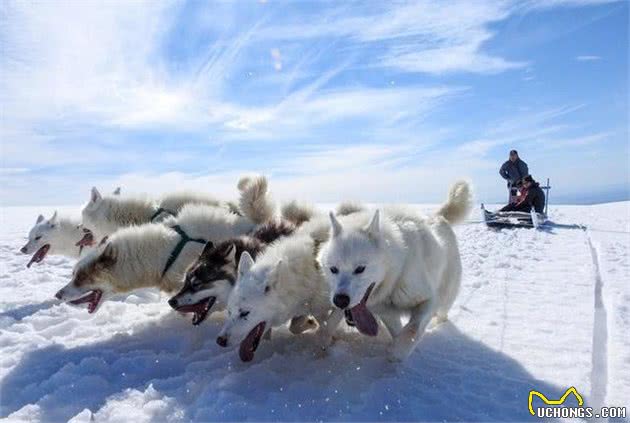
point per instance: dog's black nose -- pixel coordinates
(173, 303)
(59, 294)
(222, 341)
(341, 300)
(23, 250)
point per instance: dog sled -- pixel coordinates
(517, 219)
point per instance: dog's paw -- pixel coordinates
(401, 348)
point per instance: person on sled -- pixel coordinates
(513, 171)
(532, 196)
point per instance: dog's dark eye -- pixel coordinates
(334, 270)
(37, 238)
(243, 314)
(359, 270)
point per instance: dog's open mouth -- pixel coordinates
(39, 255)
(200, 310)
(362, 317)
(93, 298)
(87, 240)
(250, 343)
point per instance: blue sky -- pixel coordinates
(372, 101)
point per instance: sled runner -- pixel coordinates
(513, 219)
(516, 219)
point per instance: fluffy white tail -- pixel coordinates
(255, 202)
(297, 213)
(458, 204)
(348, 207)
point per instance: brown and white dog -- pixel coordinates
(155, 255)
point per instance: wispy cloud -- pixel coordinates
(587, 58)
(156, 96)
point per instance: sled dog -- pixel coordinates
(152, 254)
(284, 282)
(210, 279)
(105, 214)
(56, 236)
(394, 265)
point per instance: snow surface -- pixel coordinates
(540, 310)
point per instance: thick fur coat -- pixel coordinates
(136, 257)
(284, 282)
(397, 264)
(54, 236)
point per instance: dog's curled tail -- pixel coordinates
(348, 207)
(458, 204)
(296, 212)
(255, 201)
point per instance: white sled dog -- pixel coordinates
(284, 282)
(209, 281)
(56, 236)
(156, 254)
(396, 265)
(103, 215)
(62, 236)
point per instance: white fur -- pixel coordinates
(141, 252)
(175, 201)
(103, 215)
(255, 200)
(106, 214)
(60, 233)
(413, 261)
(284, 282)
(297, 213)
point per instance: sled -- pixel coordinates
(517, 219)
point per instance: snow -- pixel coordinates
(540, 310)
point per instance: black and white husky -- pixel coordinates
(211, 277)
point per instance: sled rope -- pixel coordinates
(159, 211)
(185, 239)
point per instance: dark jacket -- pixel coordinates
(514, 172)
(535, 198)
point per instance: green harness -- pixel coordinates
(185, 239)
(158, 212)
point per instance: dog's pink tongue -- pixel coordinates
(39, 255)
(364, 320)
(87, 240)
(250, 343)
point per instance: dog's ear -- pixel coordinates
(245, 263)
(373, 229)
(336, 226)
(40, 219)
(95, 195)
(281, 272)
(116, 191)
(207, 249)
(53, 219)
(230, 253)
(108, 256)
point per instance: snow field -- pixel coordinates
(540, 310)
